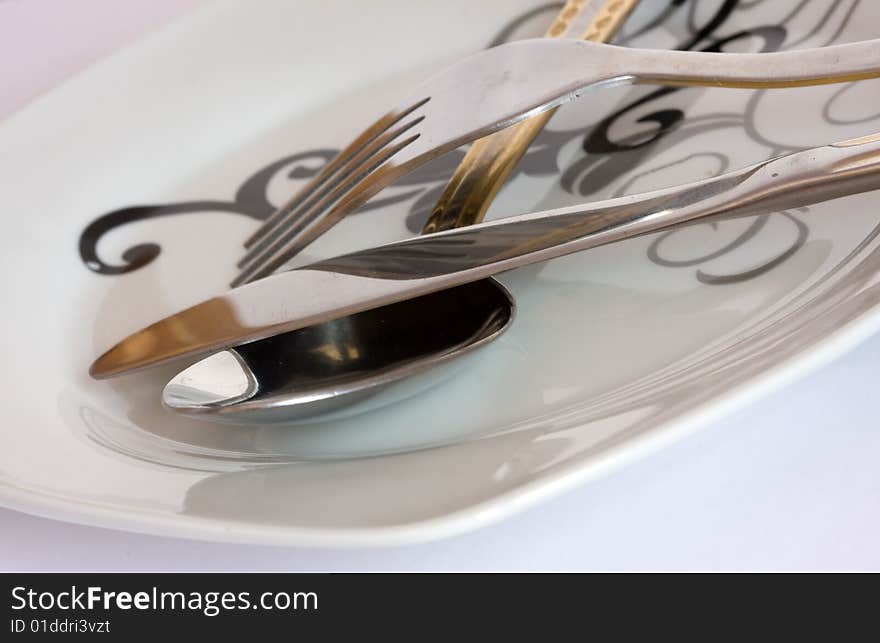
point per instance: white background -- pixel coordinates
(789, 483)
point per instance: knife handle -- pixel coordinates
(490, 160)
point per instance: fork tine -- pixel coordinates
(364, 139)
(325, 174)
(342, 178)
(367, 183)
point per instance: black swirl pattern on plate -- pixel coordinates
(646, 125)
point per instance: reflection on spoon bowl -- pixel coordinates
(348, 365)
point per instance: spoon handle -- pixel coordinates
(375, 277)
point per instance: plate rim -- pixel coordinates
(477, 515)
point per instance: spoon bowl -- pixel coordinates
(347, 365)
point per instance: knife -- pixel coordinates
(391, 273)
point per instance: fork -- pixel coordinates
(498, 87)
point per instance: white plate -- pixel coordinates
(614, 351)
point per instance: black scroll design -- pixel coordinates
(756, 225)
(646, 122)
(250, 200)
(606, 158)
(423, 187)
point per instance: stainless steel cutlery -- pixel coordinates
(316, 338)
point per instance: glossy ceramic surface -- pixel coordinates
(129, 190)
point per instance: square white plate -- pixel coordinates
(128, 191)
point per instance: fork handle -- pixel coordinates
(773, 70)
(490, 160)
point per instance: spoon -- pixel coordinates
(334, 291)
(375, 357)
